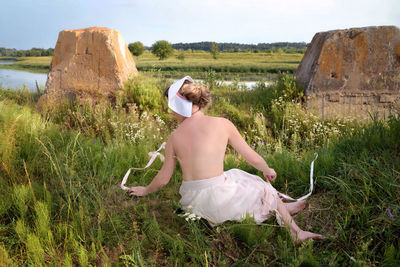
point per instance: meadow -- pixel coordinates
(247, 65)
(243, 64)
(61, 204)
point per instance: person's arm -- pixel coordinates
(163, 176)
(252, 157)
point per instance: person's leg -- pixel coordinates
(295, 207)
(296, 233)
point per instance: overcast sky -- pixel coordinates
(36, 23)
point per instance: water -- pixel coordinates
(6, 62)
(249, 84)
(17, 78)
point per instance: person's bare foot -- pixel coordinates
(295, 207)
(302, 236)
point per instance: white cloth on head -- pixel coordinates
(229, 197)
(176, 101)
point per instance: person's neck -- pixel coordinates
(195, 114)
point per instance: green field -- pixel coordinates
(61, 204)
(246, 65)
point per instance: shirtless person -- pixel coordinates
(199, 143)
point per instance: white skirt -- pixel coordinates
(229, 197)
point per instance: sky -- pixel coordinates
(36, 23)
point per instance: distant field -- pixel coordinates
(243, 64)
(226, 63)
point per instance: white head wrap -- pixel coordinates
(176, 101)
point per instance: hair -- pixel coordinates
(198, 94)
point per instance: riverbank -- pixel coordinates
(61, 204)
(245, 65)
(32, 64)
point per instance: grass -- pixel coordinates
(240, 63)
(246, 65)
(60, 203)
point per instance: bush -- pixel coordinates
(181, 55)
(145, 93)
(136, 48)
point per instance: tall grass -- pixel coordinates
(60, 203)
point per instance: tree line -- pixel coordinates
(163, 49)
(33, 52)
(298, 47)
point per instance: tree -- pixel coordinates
(20, 53)
(214, 50)
(136, 48)
(162, 49)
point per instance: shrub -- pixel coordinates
(145, 93)
(181, 55)
(136, 48)
(214, 50)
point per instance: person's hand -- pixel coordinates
(269, 174)
(138, 191)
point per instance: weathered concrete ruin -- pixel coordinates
(354, 72)
(87, 63)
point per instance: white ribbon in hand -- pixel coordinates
(153, 156)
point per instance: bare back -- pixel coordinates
(199, 144)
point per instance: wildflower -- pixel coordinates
(390, 214)
(94, 140)
(191, 216)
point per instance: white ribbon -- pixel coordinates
(153, 155)
(286, 197)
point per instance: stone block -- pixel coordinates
(93, 60)
(334, 97)
(353, 60)
(387, 99)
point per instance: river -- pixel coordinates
(17, 78)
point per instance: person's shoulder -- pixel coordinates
(223, 122)
(219, 119)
